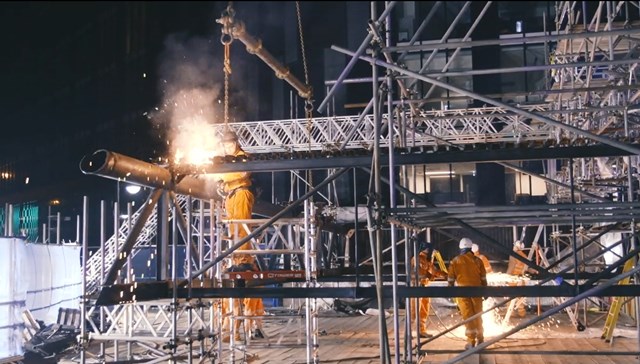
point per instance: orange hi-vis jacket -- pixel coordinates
(239, 206)
(516, 267)
(467, 270)
(485, 261)
(426, 269)
(235, 180)
(426, 272)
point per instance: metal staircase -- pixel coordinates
(114, 243)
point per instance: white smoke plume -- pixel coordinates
(191, 83)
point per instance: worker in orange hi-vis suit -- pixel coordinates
(467, 270)
(476, 251)
(426, 271)
(238, 203)
(519, 269)
(515, 266)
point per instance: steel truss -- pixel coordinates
(425, 128)
(590, 99)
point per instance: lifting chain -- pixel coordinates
(226, 39)
(308, 103)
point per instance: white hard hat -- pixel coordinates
(475, 247)
(518, 244)
(465, 243)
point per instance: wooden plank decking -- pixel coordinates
(355, 339)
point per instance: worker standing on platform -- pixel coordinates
(426, 271)
(235, 187)
(476, 251)
(467, 270)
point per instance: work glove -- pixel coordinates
(220, 188)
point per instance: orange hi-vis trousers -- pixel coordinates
(239, 206)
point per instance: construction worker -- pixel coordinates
(476, 251)
(515, 266)
(518, 269)
(426, 271)
(238, 204)
(467, 270)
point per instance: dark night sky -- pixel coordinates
(71, 86)
(50, 55)
(43, 41)
(30, 32)
(82, 76)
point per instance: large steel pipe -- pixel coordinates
(254, 46)
(120, 167)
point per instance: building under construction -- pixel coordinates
(496, 122)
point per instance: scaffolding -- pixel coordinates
(581, 122)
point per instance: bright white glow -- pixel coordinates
(439, 173)
(133, 189)
(192, 113)
(443, 176)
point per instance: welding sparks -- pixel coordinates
(192, 137)
(195, 142)
(492, 321)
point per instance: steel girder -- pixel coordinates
(279, 162)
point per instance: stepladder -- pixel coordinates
(616, 304)
(437, 257)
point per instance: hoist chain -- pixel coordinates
(227, 73)
(304, 56)
(226, 39)
(308, 103)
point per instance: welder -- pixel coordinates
(426, 271)
(235, 187)
(519, 269)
